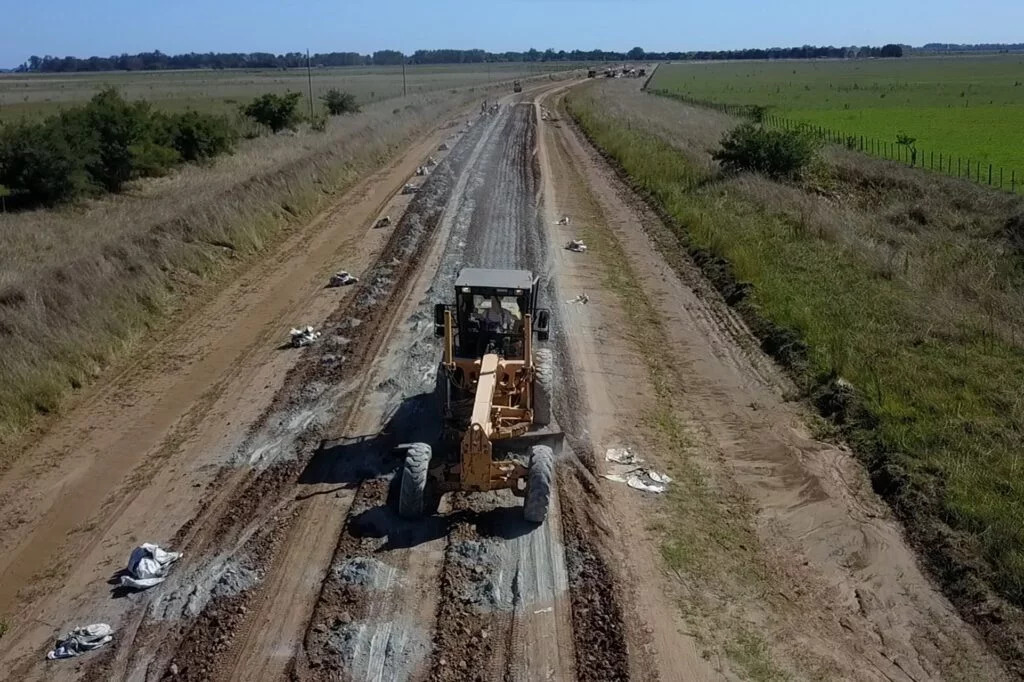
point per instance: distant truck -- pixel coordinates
(517, 86)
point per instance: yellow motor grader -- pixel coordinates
(495, 389)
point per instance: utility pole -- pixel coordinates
(309, 77)
(405, 90)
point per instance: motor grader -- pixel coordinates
(517, 86)
(494, 388)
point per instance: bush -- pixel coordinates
(277, 112)
(117, 132)
(776, 153)
(338, 102)
(101, 146)
(197, 137)
(35, 159)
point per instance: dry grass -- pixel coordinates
(79, 285)
(221, 91)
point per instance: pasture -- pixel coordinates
(221, 91)
(966, 106)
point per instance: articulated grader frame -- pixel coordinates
(495, 390)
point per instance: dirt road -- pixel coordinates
(272, 469)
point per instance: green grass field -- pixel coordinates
(222, 91)
(970, 107)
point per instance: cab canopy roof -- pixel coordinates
(483, 278)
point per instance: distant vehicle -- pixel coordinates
(641, 73)
(592, 73)
(517, 86)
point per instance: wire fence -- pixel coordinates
(910, 154)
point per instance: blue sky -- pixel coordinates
(104, 27)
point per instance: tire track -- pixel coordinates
(283, 444)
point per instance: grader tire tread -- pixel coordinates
(543, 386)
(539, 483)
(414, 481)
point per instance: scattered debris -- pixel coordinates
(582, 298)
(622, 456)
(576, 245)
(627, 471)
(148, 566)
(421, 170)
(650, 481)
(410, 189)
(342, 279)
(81, 640)
(547, 610)
(383, 222)
(304, 337)
(431, 161)
(563, 221)
(444, 147)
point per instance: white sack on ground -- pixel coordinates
(80, 640)
(148, 566)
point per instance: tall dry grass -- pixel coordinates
(79, 285)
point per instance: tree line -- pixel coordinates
(158, 61)
(980, 47)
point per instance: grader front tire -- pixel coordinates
(543, 386)
(414, 481)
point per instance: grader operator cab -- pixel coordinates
(495, 391)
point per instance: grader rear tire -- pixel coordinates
(414, 481)
(543, 386)
(539, 482)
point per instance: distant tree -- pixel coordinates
(891, 50)
(338, 102)
(277, 112)
(387, 57)
(910, 143)
(636, 54)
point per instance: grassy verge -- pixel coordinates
(709, 544)
(935, 368)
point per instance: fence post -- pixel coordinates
(958, 174)
(1000, 177)
(862, 143)
(941, 167)
(1013, 181)
(990, 175)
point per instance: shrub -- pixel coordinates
(102, 145)
(35, 159)
(775, 153)
(318, 123)
(117, 131)
(338, 102)
(197, 137)
(277, 112)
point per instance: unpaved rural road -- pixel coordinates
(272, 468)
